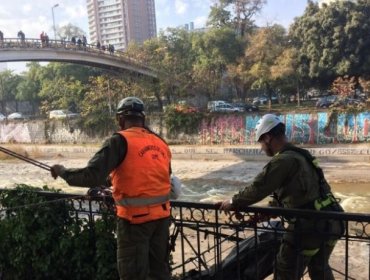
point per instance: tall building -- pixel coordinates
(118, 22)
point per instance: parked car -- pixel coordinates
(16, 116)
(246, 107)
(326, 101)
(227, 108)
(261, 100)
(211, 105)
(353, 101)
(62, 114)
(2, 117)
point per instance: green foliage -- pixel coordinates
(8, 87)
(43, 239)
(66, 32)
(334, 39)
(243, 12)
(181, 121)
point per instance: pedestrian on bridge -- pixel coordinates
(295, 181)
(1, 38)
(21, 36)
(139, 164)
(84, 40)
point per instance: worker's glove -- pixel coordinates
(57, 170)
(99, 191)
(227, 206)
(175, 187)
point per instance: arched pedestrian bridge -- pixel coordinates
(13, 49)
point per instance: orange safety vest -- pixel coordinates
(141, 183)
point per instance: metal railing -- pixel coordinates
(234, 246)
(208, 244)
(32, 43)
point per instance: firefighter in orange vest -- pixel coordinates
(139, 164)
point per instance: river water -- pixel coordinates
(205, 180)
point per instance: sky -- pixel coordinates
(33, 17)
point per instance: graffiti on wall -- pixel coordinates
(233, 129)
(301, 128)
(225, 129)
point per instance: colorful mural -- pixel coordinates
(225, 129)
(301, 128)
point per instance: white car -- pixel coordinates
(62, 114)
(227, 108)
(16, 116)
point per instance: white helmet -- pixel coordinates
(265, 124)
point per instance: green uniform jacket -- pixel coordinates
(109, 156)
(289, 175)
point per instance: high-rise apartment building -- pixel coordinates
(118, 22)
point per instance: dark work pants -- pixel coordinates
(290, 264)
(142, 250)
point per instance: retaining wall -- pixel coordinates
(231, 129)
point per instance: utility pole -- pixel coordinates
(52, 12)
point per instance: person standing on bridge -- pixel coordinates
(21, 36)
(1, 37)
(139, 164)
(295, 181)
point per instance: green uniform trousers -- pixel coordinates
(291, 263)
(142, 250)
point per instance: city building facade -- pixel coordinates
(118, 22)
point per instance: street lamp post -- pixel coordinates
(52, 12)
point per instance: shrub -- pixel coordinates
(182, 121)
(42, 239)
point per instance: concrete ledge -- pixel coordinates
(350, 152)
(356, 153)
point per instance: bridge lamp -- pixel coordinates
(52, 12)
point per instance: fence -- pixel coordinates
(208, 244)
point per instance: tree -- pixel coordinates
(365, 84)
(344, 86)
(101, 99)
(334, 40)
(243, 11)
(219, 16)
(8, 87)
(61, 93)
(68, 31)
(29, 88)
(286, 72)
(265, 46)
(172, 55)
(214, 50)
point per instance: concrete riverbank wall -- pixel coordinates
(318, 128)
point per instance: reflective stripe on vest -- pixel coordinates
(143, 201)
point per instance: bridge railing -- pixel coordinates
(208, 244)
(33, 43)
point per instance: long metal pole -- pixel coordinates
(26, 159)
(52, 12)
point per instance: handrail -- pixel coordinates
(203, 237)
(8, 43)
